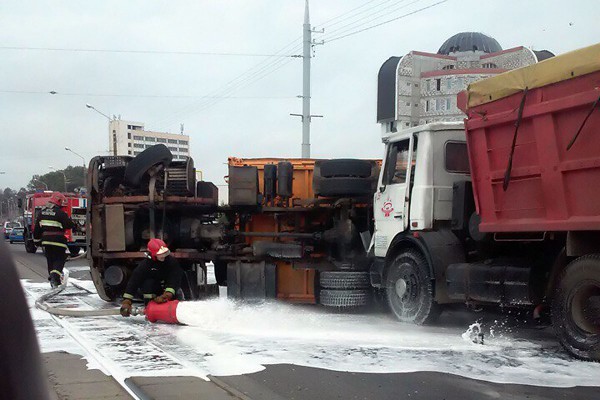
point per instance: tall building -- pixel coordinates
(421, 87)
(130, 138)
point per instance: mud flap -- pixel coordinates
(251, 280)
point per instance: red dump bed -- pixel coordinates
(550, 188)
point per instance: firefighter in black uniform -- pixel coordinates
(157, 277)
(49, 229)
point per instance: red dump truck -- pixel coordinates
(534, 153)
(501, 210)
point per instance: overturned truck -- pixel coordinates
(293, 229)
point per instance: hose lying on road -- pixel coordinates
(78, 257)
(68, 312)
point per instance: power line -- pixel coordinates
(257, 77)
(142, 95)
(186, 53)
(388, 21)
(384, 12)
(209, 102)
(243, 79)
(328, 24)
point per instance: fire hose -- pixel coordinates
(154, 312)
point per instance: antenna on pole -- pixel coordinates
(306, 116)
(181, 128)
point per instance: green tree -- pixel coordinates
(55, 180)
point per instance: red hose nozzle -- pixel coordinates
(163, 312)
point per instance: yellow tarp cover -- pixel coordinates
(555, 69)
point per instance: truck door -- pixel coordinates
(391, 201)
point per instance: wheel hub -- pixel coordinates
(585, 308)
(401, 287)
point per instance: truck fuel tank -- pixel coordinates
(506, 284)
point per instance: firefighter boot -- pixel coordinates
(55, 279)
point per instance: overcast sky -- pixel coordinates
(37, 127)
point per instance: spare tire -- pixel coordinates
(139, 166)
(344, 280)
(345, 167)
(340, 187)
(344, 298)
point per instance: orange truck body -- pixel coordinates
(293, 284)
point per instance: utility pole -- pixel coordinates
(306, 56)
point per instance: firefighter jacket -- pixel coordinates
(50, 226)
(168, 273)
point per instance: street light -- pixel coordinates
(114, 141)
(91, 107)
(61, 171)
(82, 159)
(40, 181)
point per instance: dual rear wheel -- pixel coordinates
(576, 308)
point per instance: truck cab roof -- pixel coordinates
(437, 127)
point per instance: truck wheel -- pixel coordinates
(30, 246)
(409, 289)
(576, 308)
(139, 166)
(345, 186)
(345, 167)
(344, 280)
(344, 298)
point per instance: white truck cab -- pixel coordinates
(413, 240)
(416, 195)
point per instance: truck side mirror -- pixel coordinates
(20, 203)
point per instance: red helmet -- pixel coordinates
(157, 247)
(58, 198)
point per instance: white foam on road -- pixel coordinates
(273, 333)
(227, 338)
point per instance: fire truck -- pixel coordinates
(75, 209)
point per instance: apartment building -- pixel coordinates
(130, 138)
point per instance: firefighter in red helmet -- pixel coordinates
(49, 229)
(157, 277)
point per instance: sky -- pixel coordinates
(164, 90)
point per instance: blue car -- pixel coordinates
(16, 235)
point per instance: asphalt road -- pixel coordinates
(286, 381)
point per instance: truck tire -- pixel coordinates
(344, 280)
(139, 166)
(345, 167)
(344, 298)
(409, 289)
(576, 308)
(30, 247)
(345, 186)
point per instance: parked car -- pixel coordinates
(16, 235)
(6, 228)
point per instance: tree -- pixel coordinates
(55, 180)
(8, 204)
